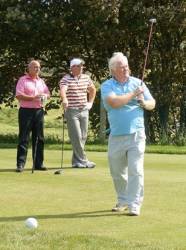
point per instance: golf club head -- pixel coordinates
(59, 171)
(153, 20)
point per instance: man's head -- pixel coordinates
(76, 66)
(118, 64)
(34, 68)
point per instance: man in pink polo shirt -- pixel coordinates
(31, 91)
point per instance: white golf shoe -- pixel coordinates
(119, 208)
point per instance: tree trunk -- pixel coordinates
(183, 113)
(163, 116)
(103, 121)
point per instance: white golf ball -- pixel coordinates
(31, 223)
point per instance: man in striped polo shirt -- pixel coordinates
(77, 92)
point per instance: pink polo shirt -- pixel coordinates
(31, 87)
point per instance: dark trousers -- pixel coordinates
(31, 120)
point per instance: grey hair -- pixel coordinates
(116, 58)
(33, 61)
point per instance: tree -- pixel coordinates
(54, 31)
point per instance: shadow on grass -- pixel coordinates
(7, 170)
(93, 214)
(30, 170)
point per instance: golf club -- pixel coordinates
(35, 152)
(152, 21)
(59, 171)
(43, 99)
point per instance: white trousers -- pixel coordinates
(126, 160)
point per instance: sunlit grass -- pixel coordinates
(73, 209)
(53, 134)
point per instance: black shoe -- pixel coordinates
(41, 169)
(19, 168)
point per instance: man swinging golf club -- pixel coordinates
(124, 98)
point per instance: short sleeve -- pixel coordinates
(147, 94)
(46, 90)
(106, 90)
(63, 82)
(90, 82)
(20, 87)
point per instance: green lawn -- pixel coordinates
(73, 209)
(53, 134)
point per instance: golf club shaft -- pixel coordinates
(63, 136)
(59, 171)
(147, 51)
(35, 152)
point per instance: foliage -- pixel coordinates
(54, 31)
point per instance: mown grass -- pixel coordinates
(9, 124)
(156, 149)
(53, 134)
(73, 209)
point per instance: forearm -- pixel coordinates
(92, 94)
(64, 98)
(47, 95)
(149, 104)
(63, 95)
(25, 97)
(119, 101)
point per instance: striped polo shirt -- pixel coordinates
(76, 89)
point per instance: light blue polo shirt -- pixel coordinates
(130, 117)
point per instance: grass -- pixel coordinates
(53, 134)
(156, 149)
(73, 209)
(9, 123)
